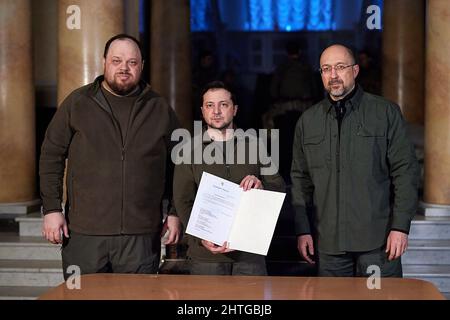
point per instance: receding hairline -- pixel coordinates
(122, 37)
(127, 40)
(340, 46)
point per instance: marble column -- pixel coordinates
(17, 112)
(437, 100)
(403, 56)
(131, 17)
(84, 26)
(171, 55)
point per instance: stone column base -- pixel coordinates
(433, 210)
(21, 207)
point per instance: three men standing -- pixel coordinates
(353, 167)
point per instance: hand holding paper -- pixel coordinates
(214, 248)
(250, 182)
(223, 212)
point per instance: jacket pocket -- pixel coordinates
(370, 149)
(370, 131)
(315, 151)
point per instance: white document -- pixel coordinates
(222, 212)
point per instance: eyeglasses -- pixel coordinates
(338, 68)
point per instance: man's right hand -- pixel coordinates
(53, 227)
(215, 249)
(306, 247)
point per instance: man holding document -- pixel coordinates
(220, 196)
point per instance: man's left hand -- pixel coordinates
(251, 182)
(172, 224)
(397, 242)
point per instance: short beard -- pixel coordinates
(222, 127)
(338, 93)
(121, 90)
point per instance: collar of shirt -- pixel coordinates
(353, 99)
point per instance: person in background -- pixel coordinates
(292, 89)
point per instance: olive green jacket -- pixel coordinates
(185, 184)
(359, 186)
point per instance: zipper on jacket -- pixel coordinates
(338, 164)
(123, 189)
(340, 115)
(124, 144)
(122, 156)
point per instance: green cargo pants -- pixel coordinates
(356, 264)
(111, 254)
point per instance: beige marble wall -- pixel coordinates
(171, 55)
(403, 56)
(131, 17)
(17, 116)
(80, 51)
(437, 104)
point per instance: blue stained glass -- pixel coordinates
(141, 16)
(320, 15)
(261, 15)
(290, 15)
(269, 15)
(199, 14)
(283, 14)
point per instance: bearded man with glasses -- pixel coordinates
(355, 173)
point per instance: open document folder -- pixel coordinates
(222, 212)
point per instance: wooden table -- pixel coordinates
(187, 287)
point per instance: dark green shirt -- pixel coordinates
(360, 186)
(185, 184)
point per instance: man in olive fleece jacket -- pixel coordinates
(115, 134)
(218, 111)
(355, 169)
